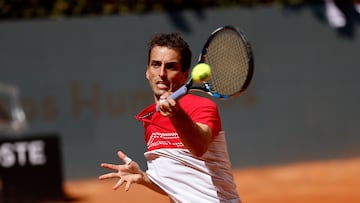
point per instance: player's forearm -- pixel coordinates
(195, 136)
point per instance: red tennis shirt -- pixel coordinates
(161, 134)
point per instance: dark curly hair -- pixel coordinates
(173, 41)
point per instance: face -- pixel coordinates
(164, 71)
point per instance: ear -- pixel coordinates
(146, 72)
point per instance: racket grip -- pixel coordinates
(177, 94)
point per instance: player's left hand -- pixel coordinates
(129, 172)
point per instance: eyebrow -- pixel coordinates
(172, 63)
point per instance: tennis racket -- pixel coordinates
(229, 55)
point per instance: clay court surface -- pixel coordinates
(335, 181)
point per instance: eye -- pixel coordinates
(173, 66)
(155, 64)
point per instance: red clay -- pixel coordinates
(314, 182)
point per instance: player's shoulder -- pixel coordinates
(197, 100)
(197, 105)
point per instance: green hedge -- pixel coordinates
(24, 9)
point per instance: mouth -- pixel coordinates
(163, 85)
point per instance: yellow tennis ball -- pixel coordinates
(201, 72)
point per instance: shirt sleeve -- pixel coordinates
(205, 111)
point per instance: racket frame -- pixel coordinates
(205, 86)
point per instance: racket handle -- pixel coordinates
(177, 94)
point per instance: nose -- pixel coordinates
(162, 72)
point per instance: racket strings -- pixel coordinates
(228, 58)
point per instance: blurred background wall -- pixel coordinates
(84, 78)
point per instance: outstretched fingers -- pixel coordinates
(128, 184)
(118, 184)
(108, 176)
(110, 166)
(128, 172)
(124, 158)
(121, 182)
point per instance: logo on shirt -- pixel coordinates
(159, 140)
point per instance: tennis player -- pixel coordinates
(187, 154)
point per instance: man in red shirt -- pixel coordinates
(187, 153)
